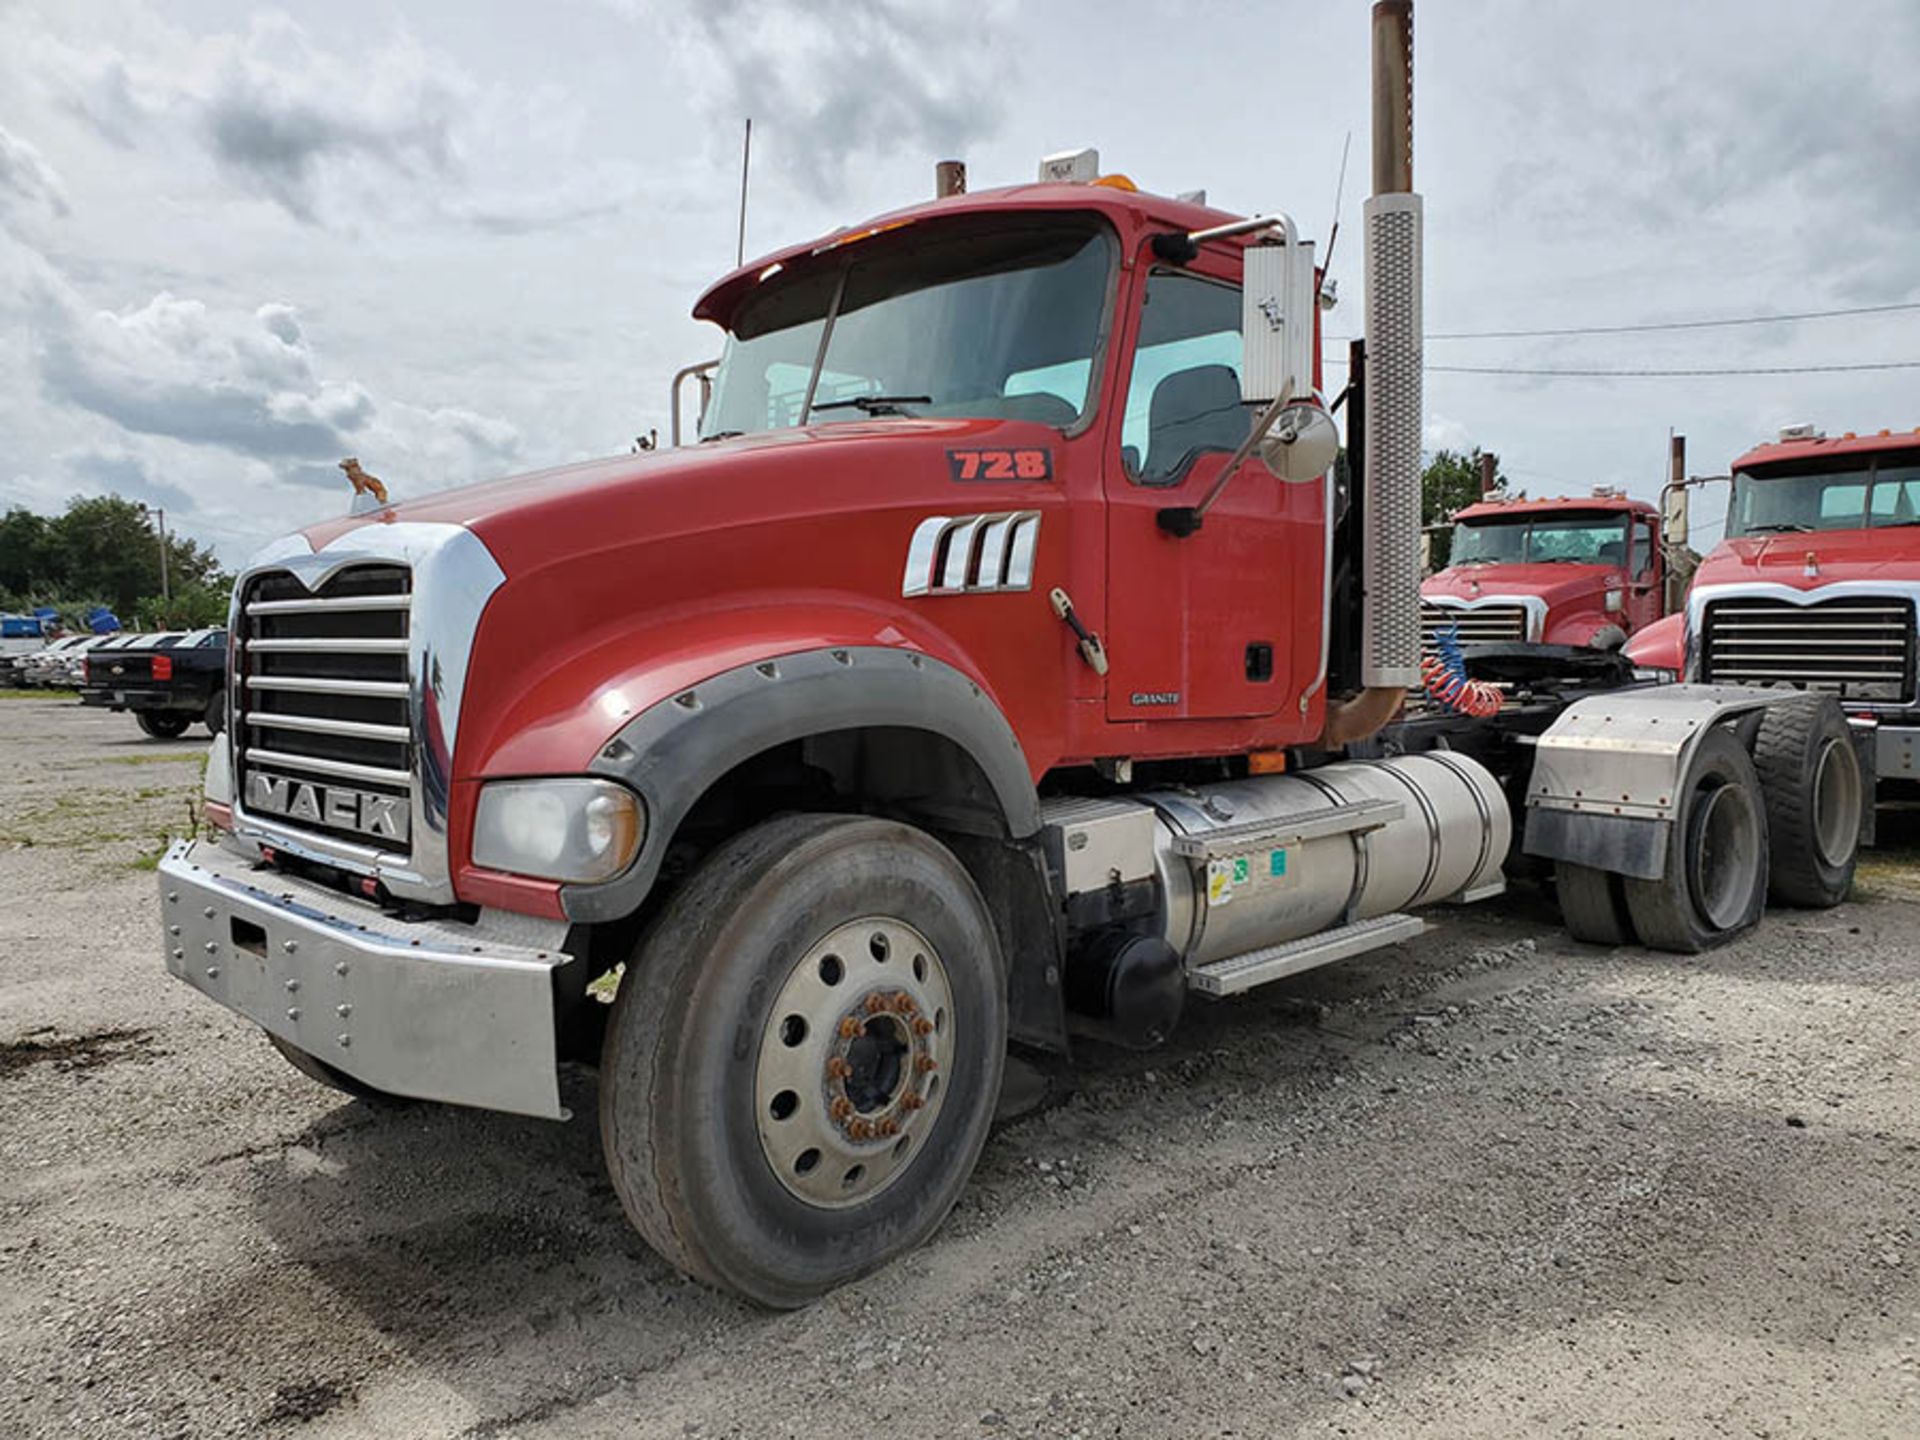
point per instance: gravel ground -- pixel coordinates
(1488, 1183)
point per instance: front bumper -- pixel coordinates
(432, 1009)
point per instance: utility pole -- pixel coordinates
(160, 523)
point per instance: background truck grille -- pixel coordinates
(323, 686)
(1859, 648)
(1485, 624)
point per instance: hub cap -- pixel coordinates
(850, 1074)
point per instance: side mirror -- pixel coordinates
(1276, 318)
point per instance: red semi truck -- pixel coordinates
(1577, 570)
(1814, 586)
(1003, 664)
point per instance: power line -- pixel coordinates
(1661, 374)
(1653, 325)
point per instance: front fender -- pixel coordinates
(1659, 646)
(673, 751)
(1578, 628)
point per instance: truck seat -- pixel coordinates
(1193, 410)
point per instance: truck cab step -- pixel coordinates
(1235, 973)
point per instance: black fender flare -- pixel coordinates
(672, 752)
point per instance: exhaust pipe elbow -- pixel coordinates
(1360, 715)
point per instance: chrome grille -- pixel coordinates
(1484, 624)
(322, 692)
(1858, 648)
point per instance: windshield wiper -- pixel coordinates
(1779, 527)
(876, 404)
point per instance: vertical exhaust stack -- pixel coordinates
(949, 178)
(1390, 615)
(1390, 560)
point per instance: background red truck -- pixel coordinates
(1814, 585)
(1577, 570)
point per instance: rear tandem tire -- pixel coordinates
(804, 1056)
(1810, 775)
(162, 724)
(1594, 904)
(1715, 883)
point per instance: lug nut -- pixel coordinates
(876, 1003)
(841, 1110)
(922, 1025)
(903, 1004)
(850, 1027)
(926, 1064)
(912, 1100)
(838, 1068)
(888, 1127)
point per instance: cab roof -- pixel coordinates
(1127, 210)
(1496, 508)
(1816, 446)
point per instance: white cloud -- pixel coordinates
(26, 176)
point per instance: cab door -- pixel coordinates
(1214, 624)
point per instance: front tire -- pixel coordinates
(804, 1056)
(322, 1073)
(162, 724)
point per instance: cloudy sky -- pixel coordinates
(459, 238)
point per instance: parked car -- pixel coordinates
(168, 681)
(41, 666)
(20, 636)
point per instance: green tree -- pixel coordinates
(111, 548)
(1450, 482)
(29, 553)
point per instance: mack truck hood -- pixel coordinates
(1558, 585)
(573, 511)
(1888, 554)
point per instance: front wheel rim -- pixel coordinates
(853, 1062)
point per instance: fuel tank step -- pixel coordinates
(1234, 973)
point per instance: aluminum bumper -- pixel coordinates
(436, 1010)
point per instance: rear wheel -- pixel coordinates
(163, 724)
(1594, 904)
(804, 1056)
(1715, 883)
(215, 715)
(1815, 791)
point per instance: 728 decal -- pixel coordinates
(1024, 464)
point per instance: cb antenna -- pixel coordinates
(746, 155)
(1339, 190)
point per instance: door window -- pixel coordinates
(1183, 399)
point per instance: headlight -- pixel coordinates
(574, 830)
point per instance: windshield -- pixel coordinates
(1000, 323)
(1787, 499)
(1599, 539)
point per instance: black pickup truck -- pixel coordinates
(167, 681)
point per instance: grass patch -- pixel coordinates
(10, 694)
(168, 758)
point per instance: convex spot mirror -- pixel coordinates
(1301, 443)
